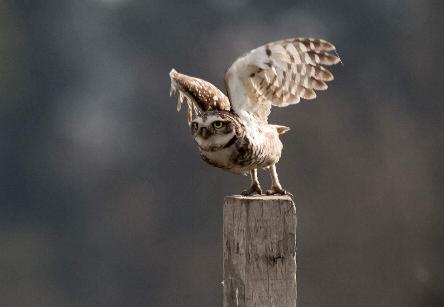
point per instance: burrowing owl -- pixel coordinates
(233, 132)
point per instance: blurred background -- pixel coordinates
(104, 200)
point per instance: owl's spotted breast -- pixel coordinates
(243, 153)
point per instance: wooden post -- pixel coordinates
(259, 251)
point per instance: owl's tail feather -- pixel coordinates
(281, 129)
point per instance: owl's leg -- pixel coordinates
(276, 187)
(255, 187)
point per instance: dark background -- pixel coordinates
(105, 201)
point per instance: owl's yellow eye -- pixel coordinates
(194, 126)
(218, 124)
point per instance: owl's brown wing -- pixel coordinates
(199, 94)
(279, 74)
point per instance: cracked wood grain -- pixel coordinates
(259, 244)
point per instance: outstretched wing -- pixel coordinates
(199, 94)
(279, 74)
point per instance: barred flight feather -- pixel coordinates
(279, 74)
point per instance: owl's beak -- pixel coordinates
(204, 133)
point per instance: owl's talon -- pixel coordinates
(254, 189)
(278, 191)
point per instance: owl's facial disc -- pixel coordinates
(212, 132)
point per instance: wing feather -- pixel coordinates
(200, 95)
(279, 74)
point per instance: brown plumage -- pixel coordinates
(202, 96)
(233, 133)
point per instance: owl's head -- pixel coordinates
(214, 130)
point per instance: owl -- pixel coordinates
(232, 132)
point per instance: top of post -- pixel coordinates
(260, 197)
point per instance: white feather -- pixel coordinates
(256, 81)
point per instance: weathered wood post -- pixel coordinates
(259, 251)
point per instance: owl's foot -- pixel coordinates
(254, 189)
(276, 188)
(278, 191)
